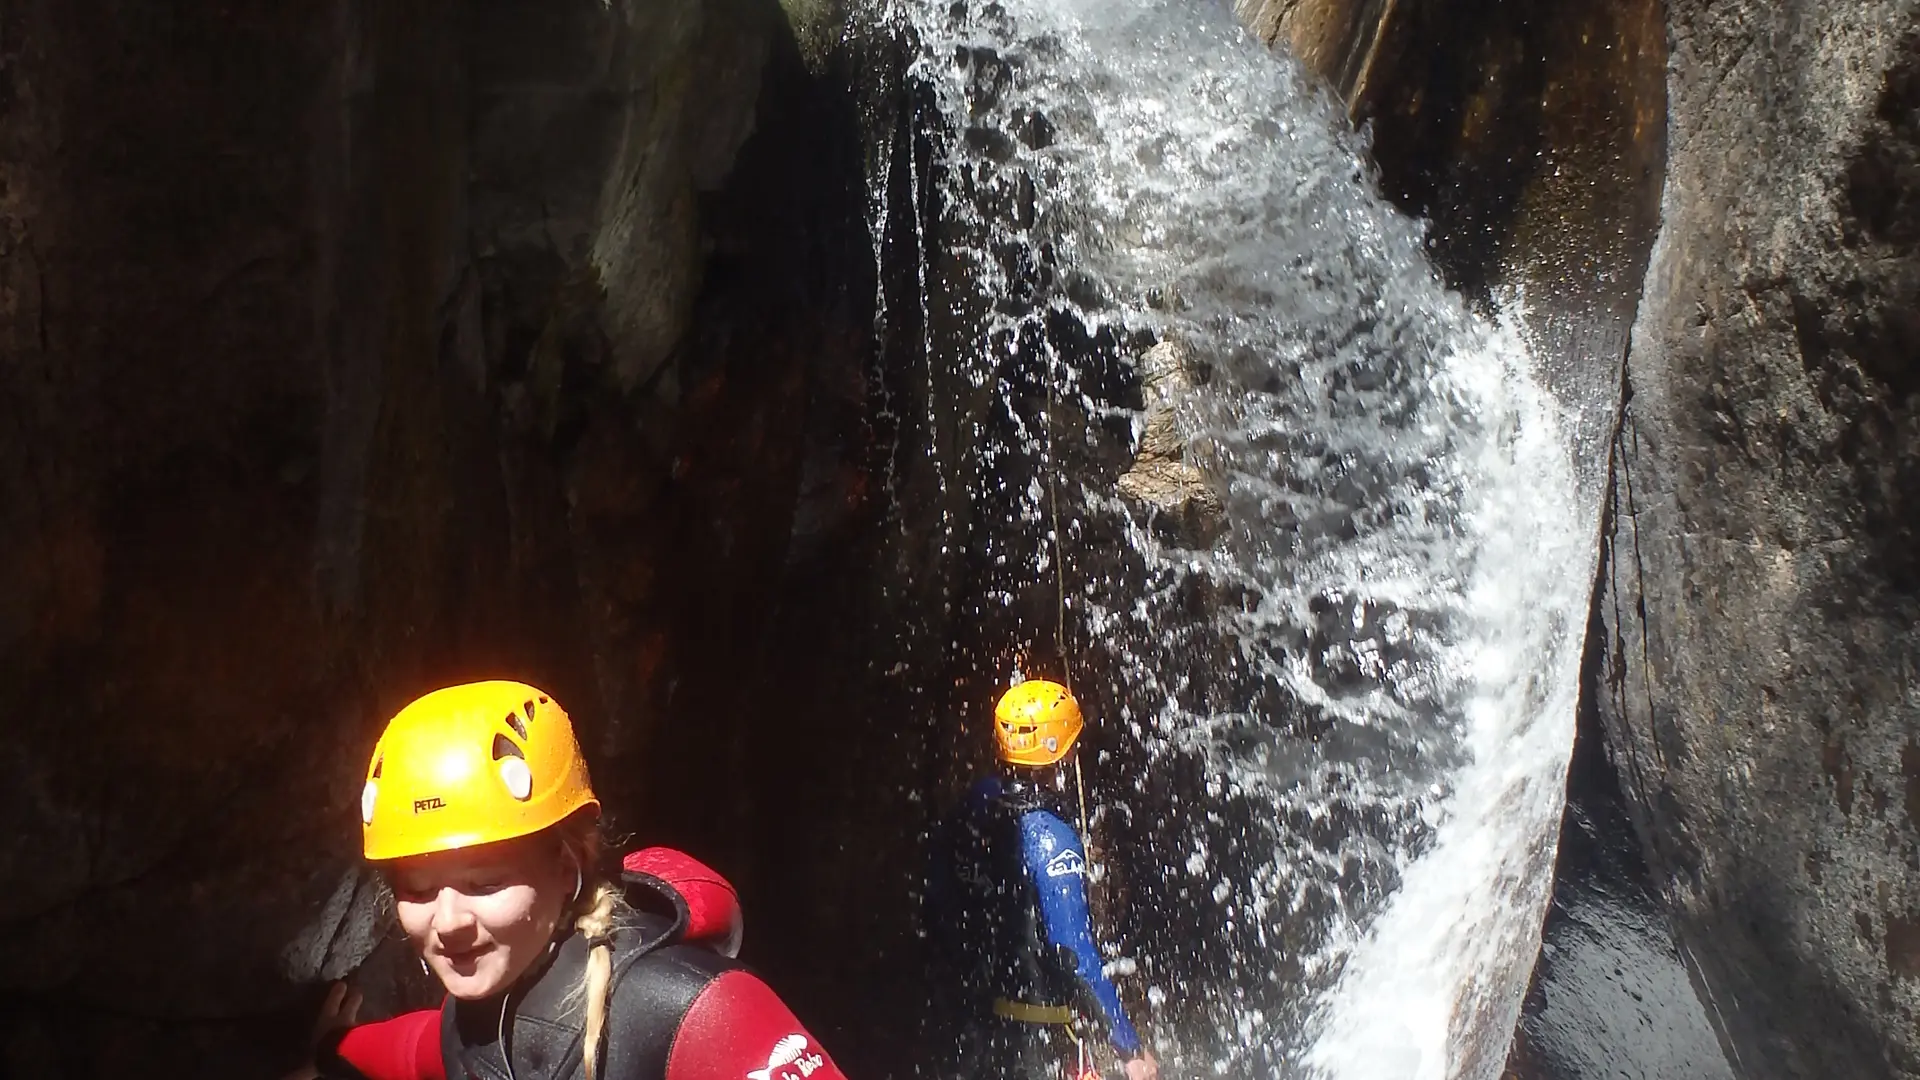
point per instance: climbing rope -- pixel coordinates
(1088, 1068)
(1060, 576)
(1059, 548)
(1080, 785)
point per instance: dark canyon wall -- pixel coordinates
(1762, 580)
(350, 349)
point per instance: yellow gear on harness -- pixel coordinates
(1008, 1009)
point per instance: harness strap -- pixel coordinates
(1026, 1013)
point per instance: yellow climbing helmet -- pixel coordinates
(470, 765)
(1036, 723)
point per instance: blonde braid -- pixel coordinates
(594, 915)
(595, 923)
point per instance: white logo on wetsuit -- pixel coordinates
(1067, 864)
(790, 1060)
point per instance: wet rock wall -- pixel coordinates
(1761, 593)
(351, 349)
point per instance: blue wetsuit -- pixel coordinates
(1009, 901)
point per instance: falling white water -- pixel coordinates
(1353, 693)
(1436, 982)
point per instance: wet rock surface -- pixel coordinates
(1611, 997)
(1161, 479)
(1761, 596)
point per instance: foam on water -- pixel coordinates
(1352, 700)
(1433, 988)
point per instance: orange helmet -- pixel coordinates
(470, 765)
(1036, 723)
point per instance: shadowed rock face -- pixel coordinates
(1761, 596)
(1611, 995)
(1529, 133)
(352, 349)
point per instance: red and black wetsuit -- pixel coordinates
(678, 1010)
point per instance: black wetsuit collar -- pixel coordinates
(1019, 793)
(536, 1023)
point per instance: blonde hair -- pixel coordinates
(594, 910)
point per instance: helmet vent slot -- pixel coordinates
(519, 727)
(377, 762)
(503, 747)
(527, 708)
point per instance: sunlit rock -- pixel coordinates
(1161, 478)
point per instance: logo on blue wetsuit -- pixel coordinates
(1066, 864)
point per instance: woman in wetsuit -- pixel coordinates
(479, 810)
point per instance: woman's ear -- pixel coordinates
(571, 860)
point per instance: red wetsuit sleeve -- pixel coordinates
(712, 907)
(739, 1029)
(406, 1047)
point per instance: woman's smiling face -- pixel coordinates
(480, 917)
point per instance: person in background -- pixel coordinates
(1007, 906)
(478, 808)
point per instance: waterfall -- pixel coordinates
(1305, 526)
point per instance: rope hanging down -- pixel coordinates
(1053, 504)
(1087, 1068)
(1060, 576)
